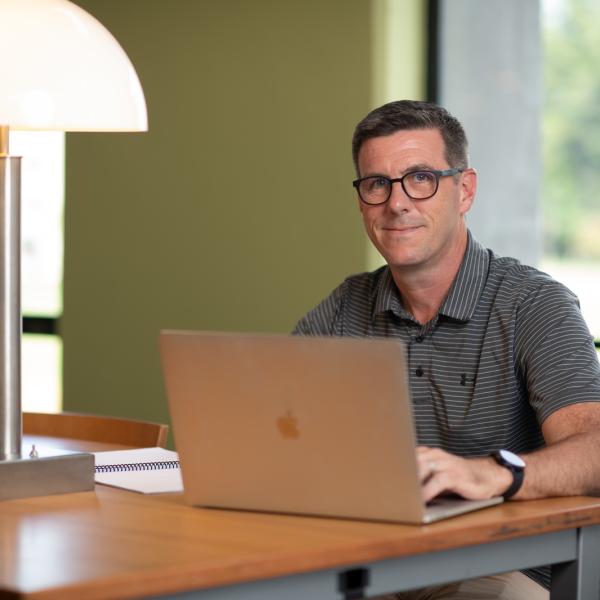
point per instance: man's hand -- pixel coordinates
(569, 464)
(472, 478)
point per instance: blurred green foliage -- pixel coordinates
(571, 130)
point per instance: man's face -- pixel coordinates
(415, 234)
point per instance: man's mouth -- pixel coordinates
(401, 228)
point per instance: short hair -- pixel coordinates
(413, 114)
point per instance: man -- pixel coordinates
(499, 356)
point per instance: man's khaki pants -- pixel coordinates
(508, 586)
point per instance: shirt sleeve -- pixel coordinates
(322, 320)
(555, 351)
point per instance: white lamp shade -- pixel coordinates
(60, 69)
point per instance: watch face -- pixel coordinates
(512, 458)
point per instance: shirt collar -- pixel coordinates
(387, 296)
(464, 292)
(461, 301)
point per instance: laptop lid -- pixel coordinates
(276, 423)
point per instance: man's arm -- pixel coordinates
(555, 356)
(569, 464)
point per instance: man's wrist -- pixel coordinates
(514, 469)
(502, 478)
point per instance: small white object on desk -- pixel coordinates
(145, 470)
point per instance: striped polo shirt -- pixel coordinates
(507, 348)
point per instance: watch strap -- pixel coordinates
(518, 474)
(515, 486)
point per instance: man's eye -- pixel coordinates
(422, 177)
(378, 183)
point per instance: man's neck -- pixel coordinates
(423, 289)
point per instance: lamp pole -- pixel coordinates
(49, 471)
(10, 301)
(46, 472)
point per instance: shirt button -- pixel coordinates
(419, 372)
(419, 338)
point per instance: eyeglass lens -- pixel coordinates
(418, 185)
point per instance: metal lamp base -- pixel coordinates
(52, 472)
(47, 472)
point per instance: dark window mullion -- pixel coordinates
(433, 37)
(41, 325)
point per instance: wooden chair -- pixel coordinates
(110, 430)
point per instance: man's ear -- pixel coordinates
(468, 188)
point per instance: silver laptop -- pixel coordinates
(319, 426)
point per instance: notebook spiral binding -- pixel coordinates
(144, 466)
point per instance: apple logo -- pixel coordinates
(288, 425)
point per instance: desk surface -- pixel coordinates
(114, 543)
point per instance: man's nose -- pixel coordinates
(399, 201)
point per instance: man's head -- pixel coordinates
(413, 114)
(415, 186)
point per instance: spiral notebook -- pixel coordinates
(144, 470)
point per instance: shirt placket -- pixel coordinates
(419, 364)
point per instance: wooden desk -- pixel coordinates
(117, 544)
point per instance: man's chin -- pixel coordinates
(401, 260)
(398, 251)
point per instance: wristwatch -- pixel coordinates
(516, 465)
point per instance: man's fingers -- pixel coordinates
(426, 467)
(440, 472)
(434, 486)
(429, 461)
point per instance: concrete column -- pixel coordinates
(490, 78)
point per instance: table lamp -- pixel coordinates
(60, 70)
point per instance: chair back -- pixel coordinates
(81, 426)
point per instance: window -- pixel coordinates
(571, 150)
(42, 201)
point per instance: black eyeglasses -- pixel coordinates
(418, 185)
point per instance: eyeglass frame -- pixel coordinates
(436, 172)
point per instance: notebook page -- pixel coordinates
(147, 481)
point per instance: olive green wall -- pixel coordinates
(235, 211)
